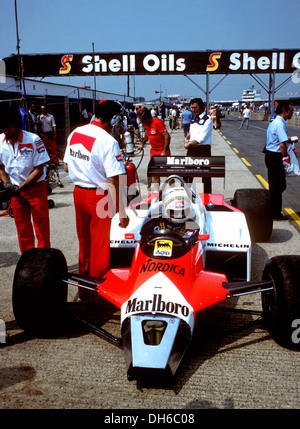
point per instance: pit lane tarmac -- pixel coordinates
(232, 362)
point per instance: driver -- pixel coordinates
(176, 213)
(176, 209)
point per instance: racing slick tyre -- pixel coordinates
(39, 294)
(255, 204)
(281, 306)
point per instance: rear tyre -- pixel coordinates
(39, 294)
(255, 204)
(281, 307)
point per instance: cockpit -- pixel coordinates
(173, 223)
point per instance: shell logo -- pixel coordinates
(213, 59)
(66, 66)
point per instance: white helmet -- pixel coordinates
(176, 205)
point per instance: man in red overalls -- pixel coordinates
(22, 158)
(158, 137)
(92, 159)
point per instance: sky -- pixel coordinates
(63, 26)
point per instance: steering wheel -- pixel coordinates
(167, 234)
(173, 177)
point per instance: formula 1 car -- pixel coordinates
(181, 253)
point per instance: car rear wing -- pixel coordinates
(186, 166)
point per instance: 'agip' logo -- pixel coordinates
(163, 248)
(66, 66)
(213, 59)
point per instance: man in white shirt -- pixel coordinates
(275, 150)
(245, 119)
(22, 159)
(92, 159)
(198, 140)
(48, 132)
(153, 112)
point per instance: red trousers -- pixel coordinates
(31, 205)
(50, 145)
(157, 152)
(93, 230)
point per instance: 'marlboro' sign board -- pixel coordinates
(143, 63)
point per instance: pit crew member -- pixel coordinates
(198, 140)
(158, 137)
(91, 158)
(22, 159)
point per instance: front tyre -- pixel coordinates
(39, 294)
(281, 306)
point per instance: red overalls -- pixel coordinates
(93, 230)
(92, 156)
(33, 202)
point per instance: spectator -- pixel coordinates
(174, 118)
(186, 117)
(33, 119)
(48, 133)
(245, 118)
(23, 115)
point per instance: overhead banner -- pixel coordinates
(145, 63)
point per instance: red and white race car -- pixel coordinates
(181, 253)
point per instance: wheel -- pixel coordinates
(281, 307)
(255, 204)
(39, 294)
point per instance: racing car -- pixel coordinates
(182, 252)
